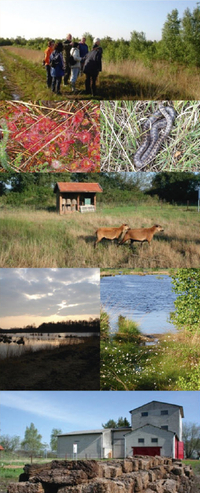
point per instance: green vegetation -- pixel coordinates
(11, 473)
(32, 440)
(34, 235)
(130, 365)
(157, 80)
(187, 304)
(54, 438)
(191, 438)
(195, 464)
(173, 363)
(111, 423)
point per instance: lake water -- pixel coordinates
(19, 344)
(147, 300)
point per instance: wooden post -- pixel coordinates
(60, 203)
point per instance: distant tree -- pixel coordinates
(191, 35)
(111, 423)
(89, 39)
(138, 42)
(122, 422)
(54, 439)
(10, 444)
(175, 187)
(186, 283)
(32, 441)
(191, 439)
(171, 38)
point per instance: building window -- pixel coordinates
(140, 440)
(154, 440)
(144, 414)
(164, 412)
(164, 427)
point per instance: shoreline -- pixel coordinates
(123, 272)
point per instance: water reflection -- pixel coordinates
(17, 345)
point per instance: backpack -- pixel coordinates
(55, 60)
(71, 60)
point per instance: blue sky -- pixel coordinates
(44, 295)
(114, 18)
(71, 411)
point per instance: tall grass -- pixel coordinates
(32, 238)
(128, 364)
(127, 79)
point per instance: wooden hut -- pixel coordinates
(71, 197)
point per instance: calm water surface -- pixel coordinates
(147, 300)
(21, 343)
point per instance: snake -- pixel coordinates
(163, 118)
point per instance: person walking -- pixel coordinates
(46, 62)
(75, 63)
(92, 66)
(57, 67)
(66, 55)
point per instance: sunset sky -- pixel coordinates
(114, 18)
(30, 296)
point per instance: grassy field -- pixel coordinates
(37, 238)
(127, 79)
(11, 468)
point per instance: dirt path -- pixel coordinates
(10, 89)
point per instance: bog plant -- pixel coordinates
(64, 137)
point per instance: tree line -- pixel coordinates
(36, 189)
(92, 325)
(32, 443)
(179, 43)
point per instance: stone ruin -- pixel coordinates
(137, 474)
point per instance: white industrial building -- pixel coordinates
(156, 429)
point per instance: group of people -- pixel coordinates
(68, 59)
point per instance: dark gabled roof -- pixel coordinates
(159, 402)
(77, 187)
(83, 432)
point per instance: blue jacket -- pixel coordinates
(56, 59)
(83, 48)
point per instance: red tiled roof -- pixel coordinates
(78, 187)
(1, 448)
